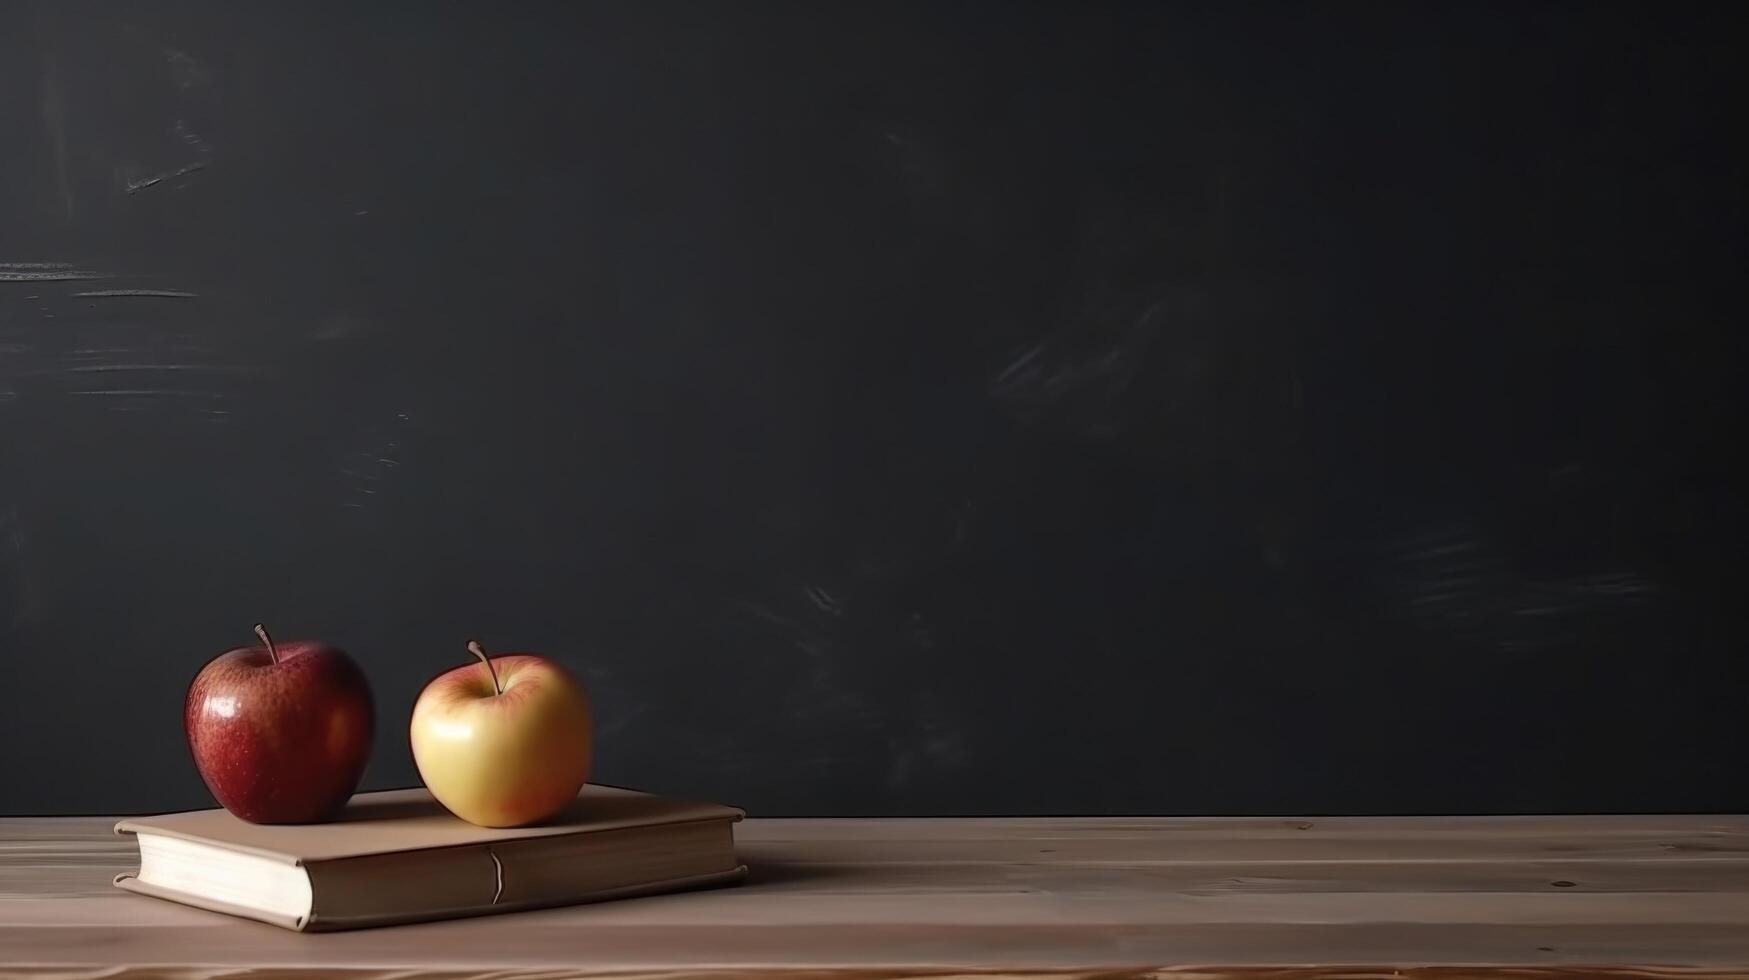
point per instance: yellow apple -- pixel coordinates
(504, 742)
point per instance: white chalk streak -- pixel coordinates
(140, 185)
(55, 275)
(148, 393)
(107, 293)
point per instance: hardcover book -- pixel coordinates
(399, 856)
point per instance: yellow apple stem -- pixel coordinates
(474, 648)
(272, 654)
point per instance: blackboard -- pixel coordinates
(893, 408)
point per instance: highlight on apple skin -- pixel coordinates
(503, 742)
(280, 733)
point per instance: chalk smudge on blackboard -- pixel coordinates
(54, 120)
(823, 600)
(128, 293)
(46, 272)
(186, 71)
(1010, 373)
(833, 635)
(191, 138)
(105, 368)
(366, 469)
(1457, 579)
(1081, 372)
(134, 186)
(147, 393)
(1579, 593)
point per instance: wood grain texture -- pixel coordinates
(1253, 898)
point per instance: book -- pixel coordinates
(399, 856)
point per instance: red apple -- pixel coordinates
(280, 733)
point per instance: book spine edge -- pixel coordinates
(318, 923)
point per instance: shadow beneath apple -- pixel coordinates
(630, 808)
(362, 810)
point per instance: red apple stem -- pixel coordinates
(474, 648)
(261, 631)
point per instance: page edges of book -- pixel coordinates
(133, 884)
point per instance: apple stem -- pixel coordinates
(474, 648)
(272, 654)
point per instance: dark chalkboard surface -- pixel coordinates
(893, 408)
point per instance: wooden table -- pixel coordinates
(1660, 896)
